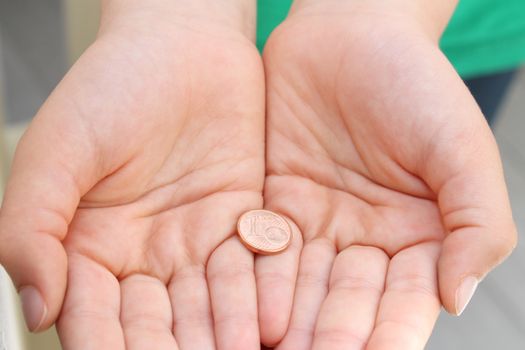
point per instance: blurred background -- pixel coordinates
(40, 39)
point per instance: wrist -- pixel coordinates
(226, 15)
(426, 16)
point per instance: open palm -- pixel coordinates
(380, 156)
(130, 180)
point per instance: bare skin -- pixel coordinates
(127, 186)
(380, 156)
(129, 181)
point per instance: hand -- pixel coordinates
(381, 157)
(128, 184)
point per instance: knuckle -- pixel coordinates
(505, 244)
(338, 337)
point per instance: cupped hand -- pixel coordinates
(380, 156)
(128, 183)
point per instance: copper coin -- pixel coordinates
(264, 232)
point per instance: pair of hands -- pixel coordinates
(127, 185)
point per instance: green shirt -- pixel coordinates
(484, 36)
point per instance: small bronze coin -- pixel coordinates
(264, 232)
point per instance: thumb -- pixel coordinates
(475, 210)
(51, 170)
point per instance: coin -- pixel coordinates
(264, 232)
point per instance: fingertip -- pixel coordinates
(467, 256)
(273, 322)
(464, 293)
(34, 307)
(276, 276)
(38, 268)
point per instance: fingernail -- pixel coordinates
(33, 306)
(465, 292)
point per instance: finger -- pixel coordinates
(410, 305)
(482, 234)
(230, 274)
(472, 198)
(146, 315)
(37, 264)
(192, 317)
(276, 276)
(468, 254)
(348, 314)
(90, 317)
(52, 168)
(310, 291)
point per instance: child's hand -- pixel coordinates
(379, 154)
(127, 185)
